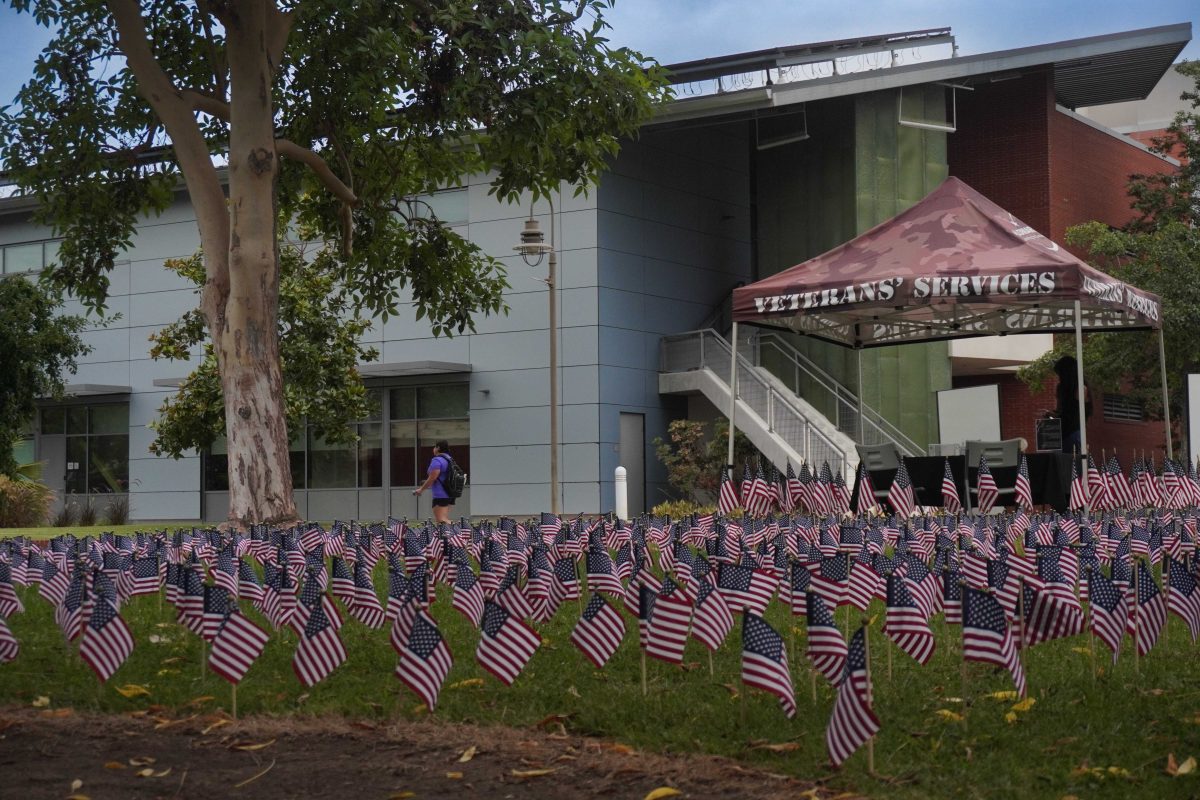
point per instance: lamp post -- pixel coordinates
(533, 249)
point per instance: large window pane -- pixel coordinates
(216, 472)
(77, 418)
(331, 466)
(23, 257)
(51, 258)
(404, 454)
(23, 450)
(108, 463)
(109, 419)
(446, 400)
(77, 466)
(457, 432)
(370, 455)
(54, 421)
(296, 456)
(404, 403)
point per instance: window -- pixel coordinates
(28, 257)
(1119, 408)
(449, 206)
(23, 447)
(97, 446)
(216, 464)
(420, 418)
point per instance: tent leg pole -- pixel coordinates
(862, 425)
(733, 365)
(1162, 363)
(1081, 394)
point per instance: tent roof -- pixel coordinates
(954, 265)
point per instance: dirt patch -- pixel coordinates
(207, 756)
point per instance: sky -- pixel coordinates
(682, 30)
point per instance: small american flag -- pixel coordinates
(1150, 612)
(745, 588)
(107, 641)
(506, 645)
(826, 647)
(1184, 599)
(9, 647)
(1118, 484)
(950, 499)
(866, 490)
(900, 493)
(1109, 611)
(712, 620)
(985, 486)
(1097, 488)
(599, 631)
(236, 647)
(320, 651)
(468, 594)
(906, 624)
(602, 573)
(667, 634)
(1079, 489)
(425, 659)
(142, 577)
(55, 583)
(831, 579)
(864, 581)
(248, 586)
(952, 597)
(764, 661)
(727, 499)
(853, 722)
(822, 491)
(760, 494)
(1022, 490)
(795, 488)
(986, 636)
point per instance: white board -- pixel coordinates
(967, 414)
(1193, 421)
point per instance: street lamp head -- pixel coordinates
(532, 247)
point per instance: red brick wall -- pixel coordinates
(1020, 407)
(1001, 145)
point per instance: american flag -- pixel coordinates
(826, 647)
(831, 579)
(599, 631)
(745, 588)
(468, 595)
(986, 636)
(1022, 490)
(906, 624)
(1151, 611)
(511, 596)
(9, 647)
(866, 490)
(807, 487)
(764, 661)
(864, 582)
(796, 488)
(141, 578)
(506, 645)
(1118, 485)
(841, 493)
(667, 634)
(747, 490)
(712, 620)
(320, 650)
(985, 486)
(70, 612)
(952, 596)
(760, 494)
(782, 489)
(237, 645)
(821, 494)
(216, 608)
(311, 596)
(950, 499)
(1097, 489)
(1048, 615)
(425, 659)
(224, 573)
(900, 493)
(1109, 611)
(602, 574)
(853, 722)
(365, 602)
(1079, 489)
(727, 498)
(564, 584)
(55, 583)
(190, 602)
(1183, 597)
(248, 586)
(342, 584)
(107, 641)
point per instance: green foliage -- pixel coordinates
(39, 346)
(694, 458)
(1126, 717)
(1174, 196)
(23, 502)
(678, 509)
(319, 340)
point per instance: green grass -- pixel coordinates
(95, 530)
(1121, 719)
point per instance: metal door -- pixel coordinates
(632, 456)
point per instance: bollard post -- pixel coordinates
(621, 491)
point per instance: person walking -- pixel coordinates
(439, 466)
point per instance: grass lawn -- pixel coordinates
(1106, 737)
(96, 530)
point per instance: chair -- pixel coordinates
(1005, 454)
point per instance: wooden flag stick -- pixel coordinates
(1136, 608)
(889, 654)
(710, 663)
(1166, 579)
(233, 700)
(870, 696)
(644, 690)
(813, 674)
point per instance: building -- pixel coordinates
(763, 160)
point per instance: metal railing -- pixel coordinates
(706, 349)
(810, 381)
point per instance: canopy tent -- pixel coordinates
(955, 265)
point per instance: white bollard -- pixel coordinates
(621, 490)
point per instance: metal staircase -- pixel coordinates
(782, 425)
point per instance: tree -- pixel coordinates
(39, 347)
(695, 457)
(1159, 252)
(326, 113)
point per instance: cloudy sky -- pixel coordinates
(681, 30)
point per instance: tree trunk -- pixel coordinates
(246, 339)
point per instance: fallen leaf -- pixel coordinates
(1172, 768)
(132, 690)
(199, 701)
(254, 746)
(1011, 717)
(467, 755)
(58, 713)
(571, 690)
(1188, 766)
(1024, 705)
(41, 702)
(781, 747)
(76, 785)
(401, 795)
(456, 776)
(1009, 695)
(467, 683)
(617, 747)
(531, 773)
(552, 719)
(78, 797)
(164, 773)
(663, 791)
(948, 715)
(255, 776)
(1081, 650)
(214, 726)
(141, 761)
(114, 765)
(145, 773)
(173, 660)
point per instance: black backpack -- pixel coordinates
(453, 479)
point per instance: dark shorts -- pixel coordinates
(442, 501)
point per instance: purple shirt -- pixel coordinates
(442, 463)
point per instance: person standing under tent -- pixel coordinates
(439, 466)
(1066, 368)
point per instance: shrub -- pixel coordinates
(118, 510)
(694, 459)
(87, 514)
(23, 504)
(65, 517)
(678, 509)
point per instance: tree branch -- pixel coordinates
(288, 148)
(209, 103)
(279, 27)
(568, 19)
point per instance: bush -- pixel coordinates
(65, 517)
(678, 509)
(694, 459)
(24, 504)
(87, 514)
(118, 510)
